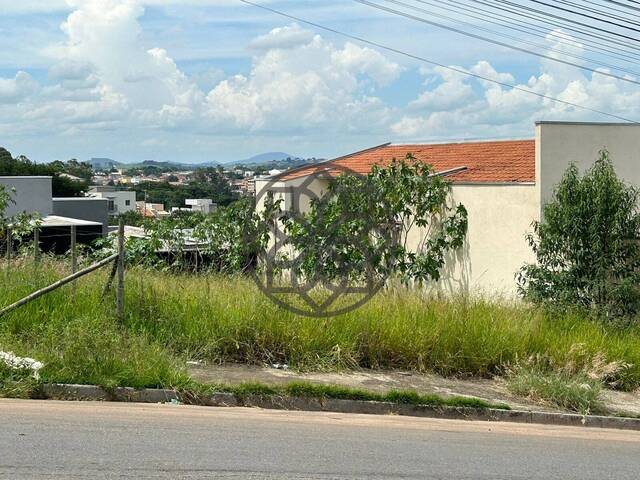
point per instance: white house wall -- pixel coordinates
(495, 247)
(558, 144)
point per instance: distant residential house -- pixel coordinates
(119, 201)
(151, 210)
(202, 205)
(503, 185)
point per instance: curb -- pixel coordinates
(59, 391)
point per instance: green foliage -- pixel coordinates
(16, 383)
(14, 228)
(174, 317)
(587, 245)
(314, 390)
(362, 225)
(228, 238)
(74, 167)
(62, 186)
(207, 183)
(132, 218)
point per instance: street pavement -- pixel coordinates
(69, 440)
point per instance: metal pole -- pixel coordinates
(120, 287)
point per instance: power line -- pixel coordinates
(624, 4)
(511, 37)
(573, 12)
(496, 42)
(549, 14)
(432, 62)
(532, 14)
(522, 26)
(613, 9)
(598, 12)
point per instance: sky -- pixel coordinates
(217, 80)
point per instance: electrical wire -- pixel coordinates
(432, 62)
(624, 4)
(541, 19)
(598, 12)
(495, 42)
(549, 14)
(591, 17)
(589, 44)
(517, 39)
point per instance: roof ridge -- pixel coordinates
(462, 142)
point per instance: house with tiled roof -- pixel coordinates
(502, 184)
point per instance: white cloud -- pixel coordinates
(17, 88)
(308, 84)
(289, 36)
(107, 76)
(458, 106)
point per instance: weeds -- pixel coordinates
(578, 393)
(172, 318)
(196, 393)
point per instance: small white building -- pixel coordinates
(202, 205)
(119, 201)
(503, 185)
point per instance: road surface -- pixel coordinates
(46, 439)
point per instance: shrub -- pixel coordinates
(587, 245)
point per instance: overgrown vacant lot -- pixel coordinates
(173, 318)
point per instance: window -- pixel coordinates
(112, 205)
(127, 203)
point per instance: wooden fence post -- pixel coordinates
(120, 287)
(36, 245)
(9, 245)
(74, 255)
(74, 252)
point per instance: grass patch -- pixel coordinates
(173, 318)
(16, 383)
(576, 392)
(196, 392)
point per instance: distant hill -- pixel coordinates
(279, 160)
(263, 158)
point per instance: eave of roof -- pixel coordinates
(496, 162)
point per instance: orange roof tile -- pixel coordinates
(511, 161)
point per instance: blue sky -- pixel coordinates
(202, 80)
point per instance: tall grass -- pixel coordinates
(170, 318)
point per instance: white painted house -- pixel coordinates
(120, 201)
(503, 185)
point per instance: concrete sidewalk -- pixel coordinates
(491, 390)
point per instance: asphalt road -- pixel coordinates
(45, 439)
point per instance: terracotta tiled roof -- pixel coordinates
(511, 161)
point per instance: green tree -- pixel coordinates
(62, 186)
(587, 245)
(362, 226)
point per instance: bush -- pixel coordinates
(587, 245)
